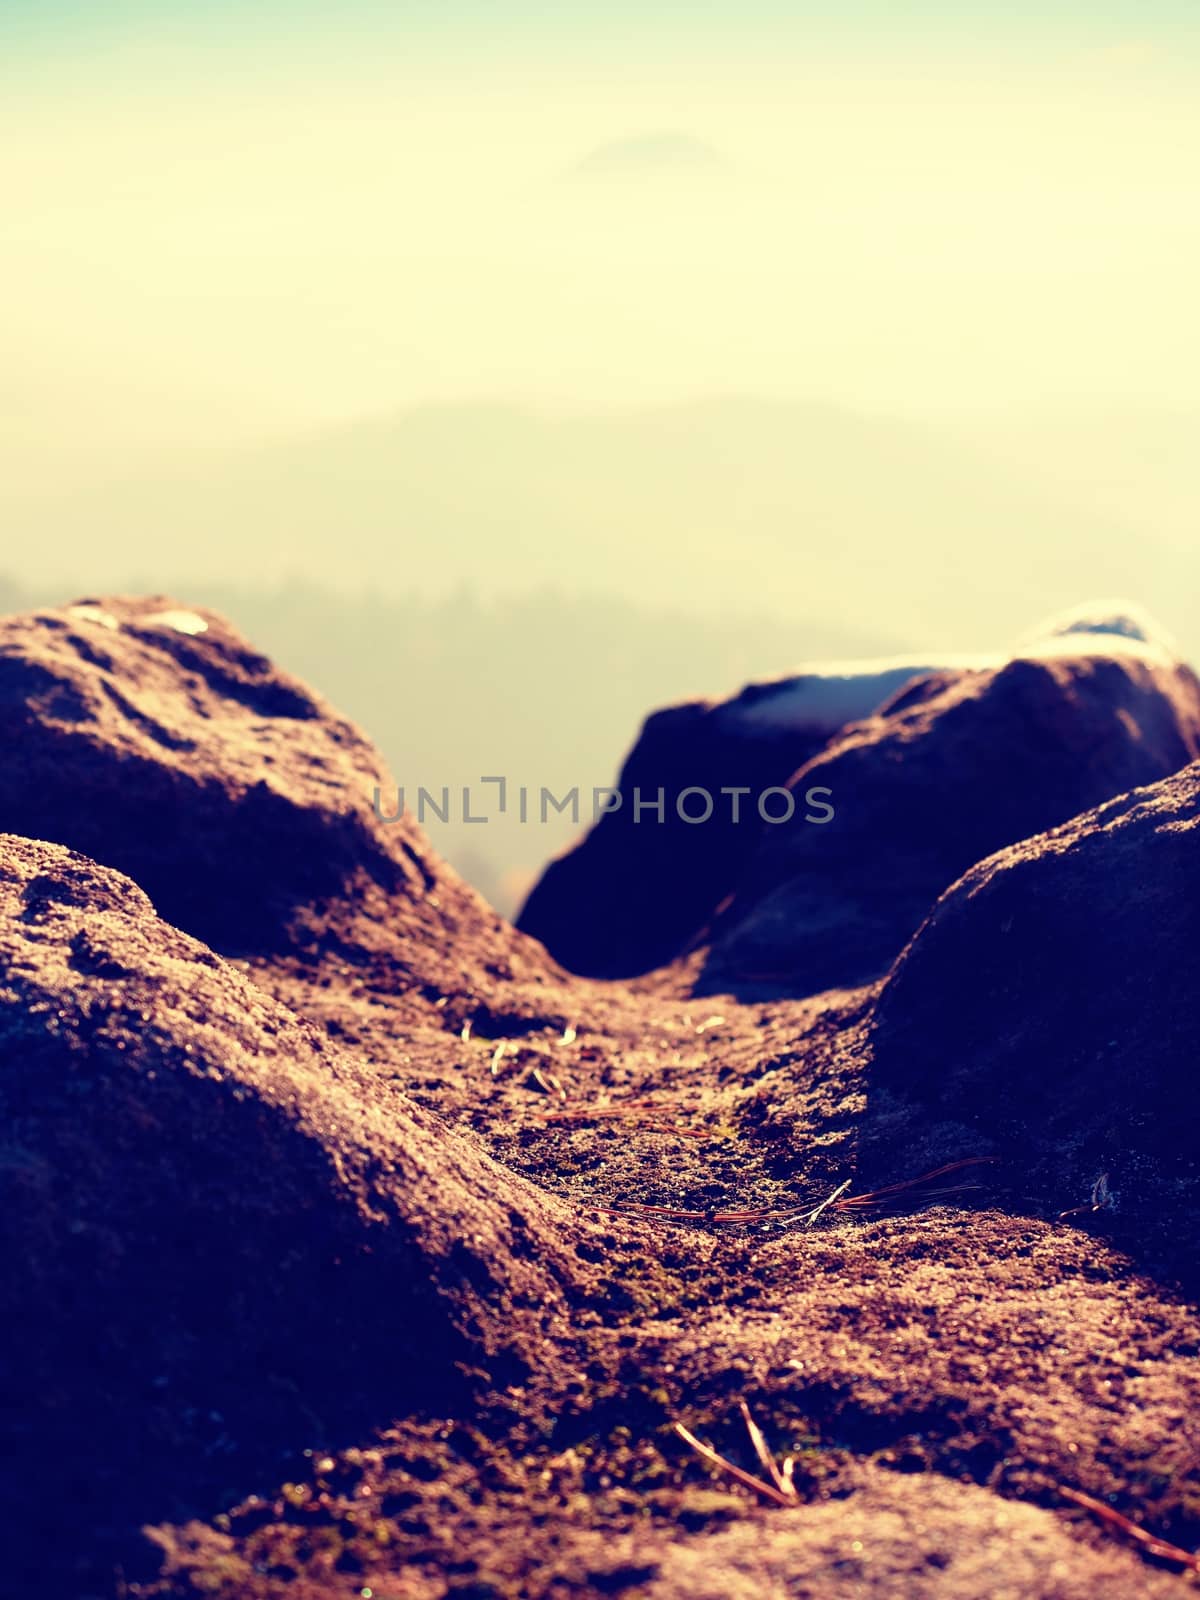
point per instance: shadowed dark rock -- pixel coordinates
(955, 767)
(1051, 1001)
(213, 1225)
(156, 740)
(632, 893)
(635, 891)
(223, 1236)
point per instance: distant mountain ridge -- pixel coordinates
(734, 504)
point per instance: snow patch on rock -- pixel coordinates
(1114, 624)
(828, 694)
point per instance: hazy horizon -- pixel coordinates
(873, 324)
(223, 223)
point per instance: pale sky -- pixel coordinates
(227, 220)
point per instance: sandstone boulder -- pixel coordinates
(957, 766)
(1051, 1000)
(645, 882)
(635, 890)
(214, 1227)
(154, 739)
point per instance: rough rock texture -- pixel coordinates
(1052, 998)
(634, 891)
(915, 1537)
(153, 738)
(334, 1298)
(954, 768)
(214, 1226)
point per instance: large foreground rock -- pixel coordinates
(153, 738)
(216, 1230)
(956, 767)
(223, 1236)
(1051, 1002)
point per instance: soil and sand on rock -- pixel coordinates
(351, 1247)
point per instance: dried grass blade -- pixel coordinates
(714, 1458)
(766, 1459)
(825, 1204)
(876, 1196)
(1149, 1542)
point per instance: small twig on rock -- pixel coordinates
(777, 1485)
(839, 1200)
(825, 1204)
(547, 1082)
(635, 1111)
(1149, 1542)
(877, 1198)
